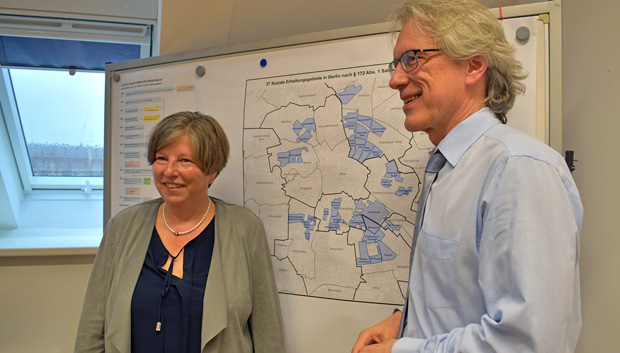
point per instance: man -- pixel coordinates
(495, 264)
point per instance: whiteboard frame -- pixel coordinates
(552, 77)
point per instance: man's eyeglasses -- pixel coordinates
(409, 60)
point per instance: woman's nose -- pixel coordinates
(171, 168)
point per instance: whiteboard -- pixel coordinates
(217, 81)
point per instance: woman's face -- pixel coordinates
(178, 178)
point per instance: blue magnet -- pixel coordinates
(263, 62)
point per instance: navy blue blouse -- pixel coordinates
(175, 302)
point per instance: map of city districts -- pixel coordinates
(334, 175)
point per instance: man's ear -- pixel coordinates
(476, 70)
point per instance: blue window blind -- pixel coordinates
(57, 53)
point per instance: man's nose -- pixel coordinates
(398, 78)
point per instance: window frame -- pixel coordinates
(64, 29)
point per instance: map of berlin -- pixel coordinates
(334, 175)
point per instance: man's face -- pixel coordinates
(434, 94)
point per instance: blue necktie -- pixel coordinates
(434, 165)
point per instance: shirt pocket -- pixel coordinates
(435, 274)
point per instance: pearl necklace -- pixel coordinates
(163, 211)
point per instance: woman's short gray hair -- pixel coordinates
(209, 142)
(464, 29)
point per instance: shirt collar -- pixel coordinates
(463, 136)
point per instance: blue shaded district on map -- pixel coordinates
(349, 93)
(368, 215)
(304, 130)
(393, 227)
(309, 222)
(392, 173)
(362, 126)
(335, 220)
(380, 254)
(292, 156)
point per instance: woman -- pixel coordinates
(185, 272)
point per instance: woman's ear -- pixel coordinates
(212, 177)
(476, 70)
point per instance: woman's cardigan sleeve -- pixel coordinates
(91, 328)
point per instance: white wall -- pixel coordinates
(144, 9)
(40, 297)
(591, 65)
(201, 24)
(40, 302)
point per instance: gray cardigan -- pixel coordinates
(241, 307)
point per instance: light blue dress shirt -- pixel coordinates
(496, 263)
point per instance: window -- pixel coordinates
(52, 84)
(60, 116)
